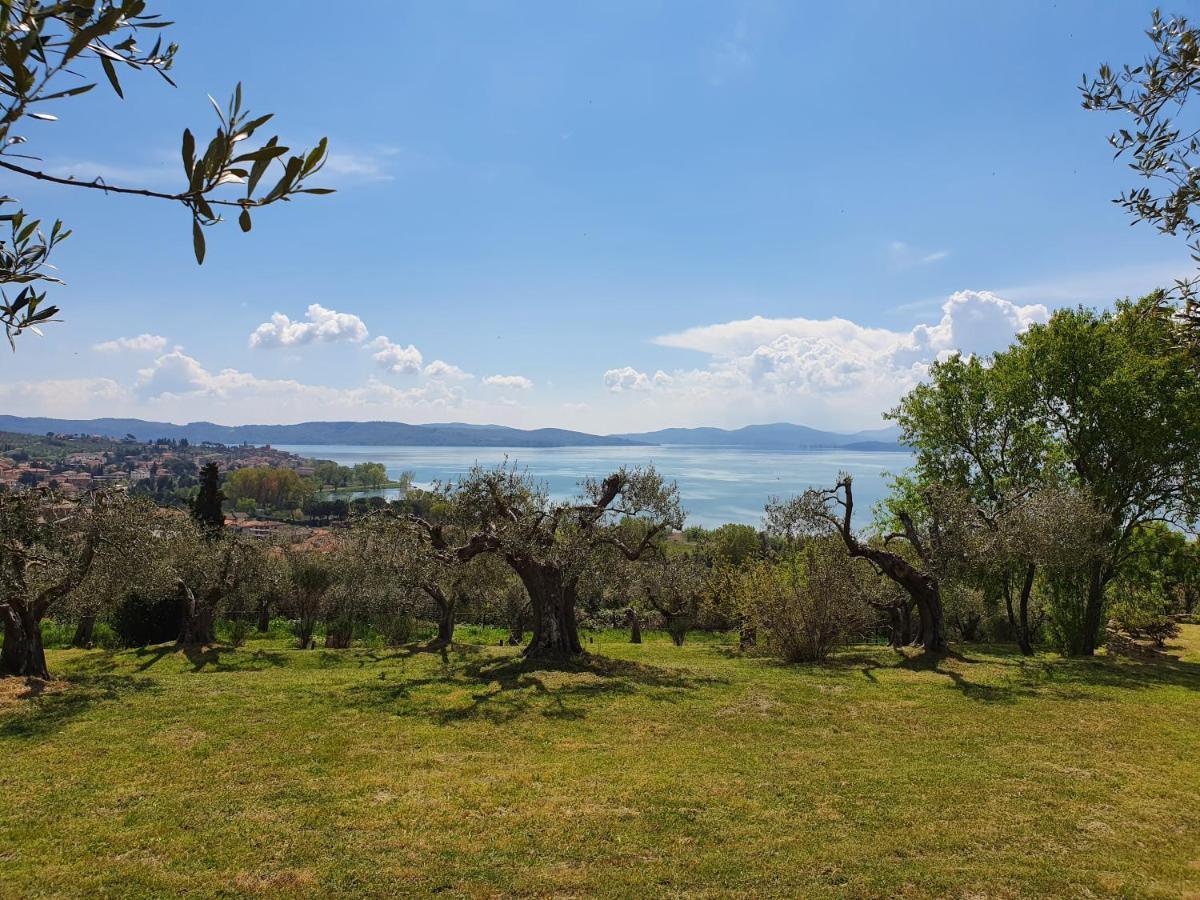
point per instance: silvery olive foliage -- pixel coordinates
(53, 51)
(1162, 141)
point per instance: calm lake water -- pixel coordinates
(716, 484)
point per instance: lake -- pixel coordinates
(716, 484)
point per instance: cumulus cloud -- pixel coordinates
(176, 376)
(821, 370)
(142, 343)
(627, 378)
(440, 370)
(519, 382)
(322, 324)
(394, 358)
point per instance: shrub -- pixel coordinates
(1141, 613)
(139, 620)
(1064, 595)
(807, 605)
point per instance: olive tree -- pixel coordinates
(1118, 399)
(49, 547)
(53, 51)
(1161, 144)
(829, 511)
(548, 543)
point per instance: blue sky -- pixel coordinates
(606, 216)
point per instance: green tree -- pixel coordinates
(206, 506)
(1116, 395)
(46, 51)
(972, 433)
(370, 474)
(549, 544)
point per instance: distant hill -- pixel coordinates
(389, 434)
(777, 436)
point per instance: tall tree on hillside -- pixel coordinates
(48, 53)
(972, 433)
(548, 544)
(206, 506)
(1117, 395)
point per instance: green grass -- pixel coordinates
(647, 770)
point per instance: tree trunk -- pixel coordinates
(747, 635)
(635, 626)
(552, 596)
(339, 635)
(84, 631)
(199, 625)
(264, 617)
(23, 653)
(1024, 635)
(445, 633)
(1093, 610)
(1013, 627)
(516, 628)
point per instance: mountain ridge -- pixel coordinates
(773, 436)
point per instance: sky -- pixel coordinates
(605, 216)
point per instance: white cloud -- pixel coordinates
(142, 343)
(440, 370)
(825, 371)
(323, 324)
(626, 378)
(64, 398)
(176, 375)
(394, 358)
(520, 382)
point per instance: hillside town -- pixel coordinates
(73, 464)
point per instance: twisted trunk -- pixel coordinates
(922, 587)
(552, 596)
(635, 626)
(199, 621)
(446, 609)
(23, 653)
(84, 631)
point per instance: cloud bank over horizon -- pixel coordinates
(829, 373)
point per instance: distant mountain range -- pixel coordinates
(780, 436)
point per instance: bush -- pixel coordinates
(139, 620)
(1141, 613)
(1065, 597)
(806, 606)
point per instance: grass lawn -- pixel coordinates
(648, 770)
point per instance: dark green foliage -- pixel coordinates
(139, 620)
(206, 507)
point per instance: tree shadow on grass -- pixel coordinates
(48, 706)
(213, 657)
(499, 689)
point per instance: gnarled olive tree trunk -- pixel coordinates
(23, 653)
(552, 597)
(635, 626)
(198, 626)
(445, 604)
